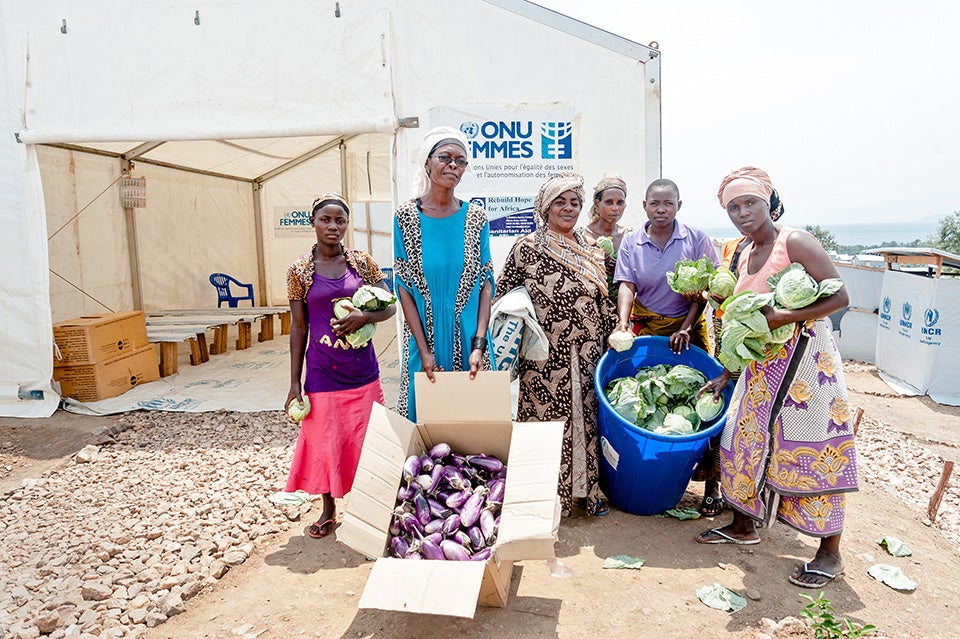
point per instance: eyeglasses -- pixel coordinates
(446, 159)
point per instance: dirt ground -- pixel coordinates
(296, 586)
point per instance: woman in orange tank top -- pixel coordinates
(787, 450)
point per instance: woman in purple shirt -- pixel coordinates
(645, 256)
(342, 381)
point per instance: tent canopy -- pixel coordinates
(239, 111)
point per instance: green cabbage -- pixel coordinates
(659, 398)
(709, 407)
(606, 244)
(343, 307)
(620, 340)
(297, 410)
(674, 424)
(691, 277)
(722, 282)
(794, 288)
(372, 298)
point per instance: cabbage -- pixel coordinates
(620, 340)
(722, 282)
(297, 410)
(690, 277)
(343, 307)
(606, 244)
(683, 380)
(709, 407)
(372, 298)
(794, 288)
(674, 424)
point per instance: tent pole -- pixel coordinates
(344, 184)
(133, 249)
(261, 261)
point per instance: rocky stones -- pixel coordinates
(117, 541)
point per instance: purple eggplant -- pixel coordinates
(476, 537)
(461, 538)
(411, 468)
(431, 550)
(454, 551)
(405, 493)
(395, 525)
(451, 525)
(442, 495)
(422, 482)
(437, 509)
(501, 474)
(482, 554)
(432, 526)
(453, 478)
(457, 499)
(413, 554)
(485, 463)
(497, 488)
(487, 527)
(399, 546)
(435, 477)
(440, 451)
(422, 508)
(410, 524)
(436, 537)
(426, 463)
(470, 512)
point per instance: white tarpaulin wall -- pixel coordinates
(918, 337)
(856, 333)
(208, 79)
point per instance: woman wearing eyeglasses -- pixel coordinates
(443, 270)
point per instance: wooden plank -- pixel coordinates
(266, 329)
(219, 340)
(168, 358)
(195, 357)
(856, 420)
(938, 493)
(202, 343)
(244, 335)
(285, 322)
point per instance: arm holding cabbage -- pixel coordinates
(358, 318)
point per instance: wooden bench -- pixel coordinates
(169, 338)
(217, 322)
(266, 320)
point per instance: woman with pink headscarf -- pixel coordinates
(787, 451)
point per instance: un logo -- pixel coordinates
(907, 311)
(556, 140)
(930, 317)
(470, 129)
(886, 305)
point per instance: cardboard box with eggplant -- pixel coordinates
(446, 505)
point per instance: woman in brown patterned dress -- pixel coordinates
(564, 274)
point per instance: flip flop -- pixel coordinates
(724, 538)
(806, 570)
(319, 530)
(712, 506)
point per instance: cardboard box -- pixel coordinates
(473, 417)
(95, 338)
(92, 382)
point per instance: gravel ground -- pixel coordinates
(118, 539)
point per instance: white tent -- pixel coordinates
(238, 113)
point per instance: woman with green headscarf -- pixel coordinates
(564, 274)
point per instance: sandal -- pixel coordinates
(712, 506)
(319, 530)
(823, 578)
(600, 509)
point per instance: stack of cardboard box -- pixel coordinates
(101, 356)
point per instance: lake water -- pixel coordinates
(865, 234)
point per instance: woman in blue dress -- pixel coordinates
(443, 270)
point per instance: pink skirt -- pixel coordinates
(331, 436)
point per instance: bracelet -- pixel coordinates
(479, 344)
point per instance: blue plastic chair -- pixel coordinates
(388, 278)
(222, 281)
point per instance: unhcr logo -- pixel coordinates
(930, 318)
(885, 309)
(906, 312)
(556, 140)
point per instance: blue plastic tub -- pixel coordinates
(642, 472)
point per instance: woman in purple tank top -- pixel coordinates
(342, 381)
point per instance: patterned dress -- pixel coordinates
(577, 318)
(787, 450)
(444, 276)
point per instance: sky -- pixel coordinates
(852, 107)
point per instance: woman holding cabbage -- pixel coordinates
(342, 374)
(787, 450)
(564, 274)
